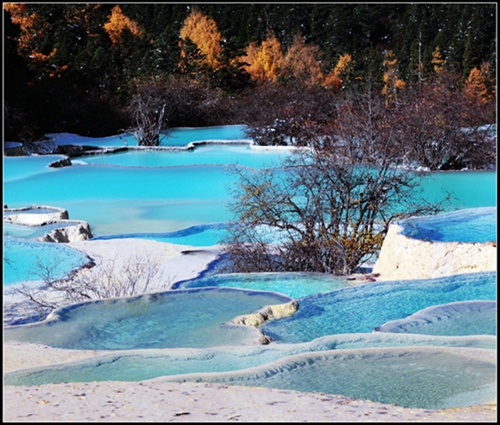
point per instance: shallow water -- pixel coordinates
(116, 200)
(458, 318)
(200, 235)
(191, 317)
(29, 232)
(470, 189)
(19, 167)
(365, 307)
(175, 137)
(184, 318)
(294, 285)
(29, 260)
(211, 154)
(433, 378)
(139, 196)
(182, 136)
(467, 225)
(138, 365)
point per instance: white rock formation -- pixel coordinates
(29, 217)
(74, 232)
(267, 313)
(403, 258)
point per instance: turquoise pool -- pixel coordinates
(466, 225)
(185, 318)
(165, 192)
(363, 308)
(22, 259)
(174, 137)
(295, 285)
(181, 197)
(438, 371)
(137, 365)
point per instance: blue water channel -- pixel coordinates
(390, 333)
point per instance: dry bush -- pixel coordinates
(134, 275)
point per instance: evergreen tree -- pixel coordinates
(82, 57)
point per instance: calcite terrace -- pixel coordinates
(70, 230)
(403, 257)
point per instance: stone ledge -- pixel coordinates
(277, 311)
(74, 232)
(70, 230)
(270, 312)
(404, 258)
(34, 219)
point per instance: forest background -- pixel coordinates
(88, 68)
(366, 86)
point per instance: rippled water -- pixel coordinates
(375, 373)
(467, 225)
(365, 307)
(183, 318)
(409, 377)
(457, 318)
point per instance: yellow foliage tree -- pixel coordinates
(438, 61)
(117, 22)
(265, 62)
(203, 32)
(344, 64)
(391, 81)
(475, 89)
(19, 14)
(340, 74)
(301, 61)
(32, 29)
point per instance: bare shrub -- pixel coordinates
(135, 275)
(158, 104)
(327, 208)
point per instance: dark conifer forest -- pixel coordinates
(86, 68)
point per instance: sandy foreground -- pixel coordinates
(150, 401)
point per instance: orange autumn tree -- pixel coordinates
(340, 74)
(480, 93)
(391, 81)
(117, 23)
(476, 89)
(32, 28)
(301, 61)
(265, 61)
(437, 61)
(203, 32)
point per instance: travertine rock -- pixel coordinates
(402, 257)
(270, 312)
(74, 232)
(27, 217)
